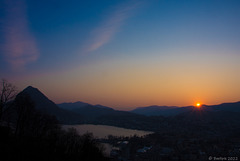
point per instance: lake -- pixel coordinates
(102, 131)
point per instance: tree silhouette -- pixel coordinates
(7, 93)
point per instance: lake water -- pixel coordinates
(102, 131)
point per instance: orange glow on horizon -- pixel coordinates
(198, 104)
(128, 82)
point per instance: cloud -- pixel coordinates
(19, 46)
(104, 33)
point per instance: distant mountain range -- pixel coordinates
(144, 118)
(173, 110)
(157, 110)
(75, 113)
(77, 105)
(89, 111)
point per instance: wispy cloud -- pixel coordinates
(19, 46)
(104, 32)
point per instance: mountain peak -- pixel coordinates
(31, 88)
(45, 105)
(40, 100)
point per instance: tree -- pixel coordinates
(7, 94)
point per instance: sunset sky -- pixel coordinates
(123, 53)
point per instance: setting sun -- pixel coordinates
(198, 104)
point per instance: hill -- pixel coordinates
(45, 105)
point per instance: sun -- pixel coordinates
(198, 104)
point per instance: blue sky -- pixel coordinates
(85, 43)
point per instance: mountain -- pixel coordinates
(101, 106)
(72, 106)
(161, 110)
(153, 110)
(98, 114)
(45, 105)
(89, 112)
(92, 113)
(78, 105)
(173, 110)
(233, 107)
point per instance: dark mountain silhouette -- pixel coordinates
(88, 111)
(219, 122)
(233, 107)
(45, 105)
(101, 106)
(78, 105)
(153, 110)
(72, 106)
(173, 110)
(94, 113)
(161, 110)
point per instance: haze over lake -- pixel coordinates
(102, 131)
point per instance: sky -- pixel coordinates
(123, 54)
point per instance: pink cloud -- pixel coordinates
(20, 46)
(103, 33)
